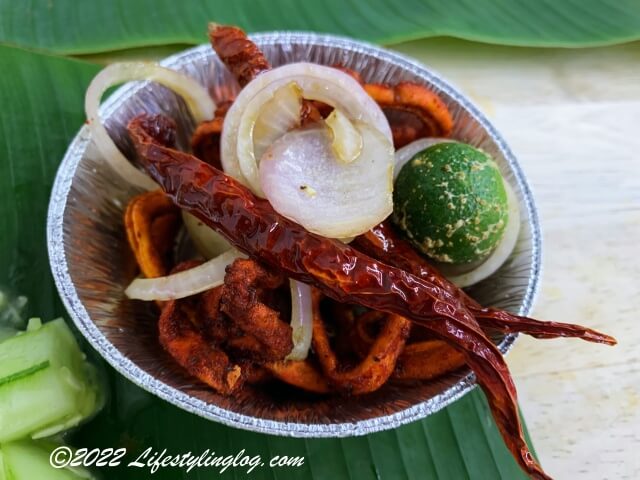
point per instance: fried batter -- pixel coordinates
(427, 360)
(246, 285)
(301, 374)
(152, 222)
(372, 372)
(413, 111)
(190, 350)
(180, 333)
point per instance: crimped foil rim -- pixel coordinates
(137, 375)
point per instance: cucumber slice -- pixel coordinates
(3, 475)
(29, 460)
(25, 373)
(46, 385)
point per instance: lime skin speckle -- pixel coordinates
(451, 203)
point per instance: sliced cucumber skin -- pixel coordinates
(29, 460)
(50, 399)
(53, 341)
(25, 373)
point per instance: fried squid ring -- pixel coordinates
(350, 332)
(427, 360)
(254, 373)
(413, 111)
(152, 222)
(188, 347)
(374, 370)
(243, 300)
(363, 330)
(225, 331)
(221, 328)
(301, 374)
(181, 336)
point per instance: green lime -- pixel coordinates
(451, 202)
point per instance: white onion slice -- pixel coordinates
(502, 251)
(195, 95)
(183, 284)
(277, 117)
(262, 123)
(347, 141)
(326, 84)
(301, 320)
(303, 181)
(207, 241)
(406, 153)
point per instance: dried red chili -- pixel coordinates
(384, 243)
(338, 270)
(241, 56)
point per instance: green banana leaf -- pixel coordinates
(72, 27)
(460, 442)
(41, 98)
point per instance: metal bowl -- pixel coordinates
(89, 254)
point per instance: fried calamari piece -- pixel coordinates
(205, 141)
(413, 111)
(189, 348)
(374, 370)
(226, 332)
(254, 373)
(180, 334)
(222, 329)
(152, 222)
(241, 56)
(354, 333)
(301, 374)
(248, 346)
(246, 287)
(214, 323)
(427, 360)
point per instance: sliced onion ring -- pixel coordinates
(502, 251)
(262, 123)
(318, 82)
(301, 320)
(195, 95)
(347, 141)
(302, 179)
(183, 284)
(406, 153)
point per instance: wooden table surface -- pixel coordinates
(572, 118)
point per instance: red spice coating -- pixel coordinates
(338, 270)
